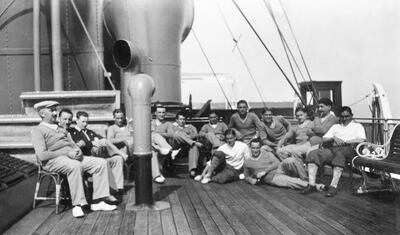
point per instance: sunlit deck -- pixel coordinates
(235, 208)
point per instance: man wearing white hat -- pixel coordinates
(58, 153)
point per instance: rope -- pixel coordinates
(241, 54)
(269, 52)
(358, 101)
(298, 48)
(106, 73)
(209, 64)
(283, 40)
(5, 9)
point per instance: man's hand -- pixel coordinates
(81, 143)
(75, 154)
(198, 144)
(261, 174)
(99, 142)
(338, 141)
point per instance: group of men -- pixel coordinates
(275, 152)
(259, 151)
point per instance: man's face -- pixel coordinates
(181, 120)
(160, 114)
(345, 118)
(213, 118)
(230, 139)
(301, 116)
(323, 109)
(49, 115)
(82, 122)
(242, 109)
(255, 149)
(267, 116)
(65, 120)
(119, 119)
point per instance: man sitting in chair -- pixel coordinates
(273, 129)
(94, 144)
(58, 153)
(341, 139)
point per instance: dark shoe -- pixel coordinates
(309, 189)
(332, 191)
(193, 173)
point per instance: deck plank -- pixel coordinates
(192, 218)
(101, 223)
(89, 222)
(167, 221)
(127, 224)
(235, 222)
(250, 219)
(141, 222)
(216, 215)
(305, 206)
(208, 223)
(62, 224)
(29, 223)
(181, 223)
(49, 223)
(155, 227)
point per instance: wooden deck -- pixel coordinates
(235, 208)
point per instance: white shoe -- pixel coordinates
(159, 179)
(241, 176)
(198, 178)
(164, 151)
(102, 206)
(174, 153)
(205, 180)
(77, 212)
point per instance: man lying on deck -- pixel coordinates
(58, 153)
(247, 125)
(91, 143)
(341, 138)
(264, 167)
(227, 162)
(273, 129)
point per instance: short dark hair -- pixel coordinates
(213, 112)
(256, 140)
(266, 110)
(180, 114)
(117, 111)
(346, 108)
(158, 105)
(65, 110)
(325, 101)
(230, 131)
(81, 113)
(242, 102)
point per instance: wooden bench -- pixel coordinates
(381, 161)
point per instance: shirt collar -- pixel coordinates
(77, 128)
(51, 126)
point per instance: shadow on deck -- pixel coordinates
(235, 208)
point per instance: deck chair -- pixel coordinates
(381, 161)
(61, 189)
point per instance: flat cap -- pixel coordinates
(45, 104)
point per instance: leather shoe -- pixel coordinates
(309, 189)
(332, 191)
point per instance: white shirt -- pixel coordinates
(234, 156)
(350, 132)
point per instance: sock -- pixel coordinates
(312, 173)
(337, 172)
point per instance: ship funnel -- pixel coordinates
(148, 34)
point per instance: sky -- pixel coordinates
(353, 41)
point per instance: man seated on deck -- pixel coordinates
(340, 141)
(185, 136)
(213, 131)
(264, 167)
(322, 123)
(227, 162)
(58, 153)
(92, 143)
(119, 135)
(247, 125)
(273, 129)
